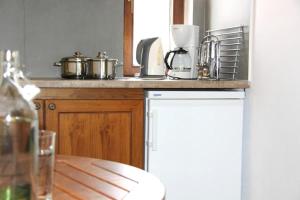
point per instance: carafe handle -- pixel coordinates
(166, 59)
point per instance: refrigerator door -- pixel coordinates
(194, 147)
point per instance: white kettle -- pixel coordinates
(149, 54)
(180, 65)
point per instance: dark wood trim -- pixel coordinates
(90, 93)
(178, 18)
(128, 39)
(178, 11)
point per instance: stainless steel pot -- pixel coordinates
(101, 67)
(73, 67)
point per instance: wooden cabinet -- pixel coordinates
(39, 106)
(103, 124)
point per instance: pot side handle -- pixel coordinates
(57, 64)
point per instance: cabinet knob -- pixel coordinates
(37, 105)
(52, 106)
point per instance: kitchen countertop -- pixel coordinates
(140, 83)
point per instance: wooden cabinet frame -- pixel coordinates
(55, 104)
(178, 18)
(40, 108)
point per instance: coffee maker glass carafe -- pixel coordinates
(179, 64)
(180, 60)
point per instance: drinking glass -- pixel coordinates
(46, 164)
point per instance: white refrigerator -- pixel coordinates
(194, 143)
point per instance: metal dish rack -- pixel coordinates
(231, 42)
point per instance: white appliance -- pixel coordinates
(194, 143)
(149, 54)
(186, 37)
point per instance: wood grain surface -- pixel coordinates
(178, 11)
(128, 68)
(104, 129)
(79, 178)
(90, 93)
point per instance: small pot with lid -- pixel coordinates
(101, 67)
(73, 67)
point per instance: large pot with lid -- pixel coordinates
(73, 67)
(101, 67)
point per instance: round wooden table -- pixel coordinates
(87, 179)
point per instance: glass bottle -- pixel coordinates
(18, 133)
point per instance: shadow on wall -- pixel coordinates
(216, 14)
(231, 13)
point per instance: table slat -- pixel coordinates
(79, 178)
(60, 195)
(94, 183)
(76, 190)
(96, 171)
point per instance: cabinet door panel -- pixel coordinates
(105, 129)
(100, 135)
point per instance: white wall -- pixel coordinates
(272, 141)
(230, 13)
(227, 13)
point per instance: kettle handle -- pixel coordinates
(166, 59)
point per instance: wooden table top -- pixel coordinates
(79, 178)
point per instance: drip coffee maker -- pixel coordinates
(182, 64)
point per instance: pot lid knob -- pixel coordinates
(102, 55)
(77, 54)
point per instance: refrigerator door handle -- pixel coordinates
(153, 132)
